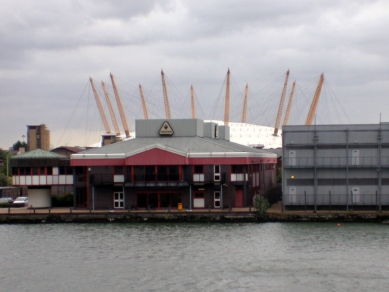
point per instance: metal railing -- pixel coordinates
(337, 199)
(370, 161)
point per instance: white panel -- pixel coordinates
(14, 180)
(257, 178)
(247, 176)
(292, 157)
(239, 176)
(356, 195)
(55, 179)
(355, 157)
(69, 179)
(39, 198)
(292, 195)
(198, 203)
(198, 177)
(28, 180)
(35, 180)
(22, 180)
(42, 180)
(233, 176)
(55, 170)
(62, 179)
(49, 179)
(118, 178)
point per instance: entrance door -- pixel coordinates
(81, 198)
(356, 195)
(198, 200)
(238, 198)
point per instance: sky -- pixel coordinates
(49, 49)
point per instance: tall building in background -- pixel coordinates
(38, 137)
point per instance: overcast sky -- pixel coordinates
(49, 49)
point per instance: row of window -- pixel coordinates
(42, 170)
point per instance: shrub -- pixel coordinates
(62, 201)
(261, 204)
(5, 205)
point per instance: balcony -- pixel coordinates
(335, 162)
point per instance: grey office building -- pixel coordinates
(336, 166)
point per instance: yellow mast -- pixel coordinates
(120, 107)
(315, 101)
(227, 101)
(246, 96)
(102, 114)
(142, 97)
(111, 113)
(287, 114)
(281, 106)
(192, 97)
(165, 96)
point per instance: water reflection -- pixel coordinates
(195, 257)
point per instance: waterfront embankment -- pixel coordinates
(273, 214)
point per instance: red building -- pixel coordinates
(172, 162)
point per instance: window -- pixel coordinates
(217, 199)
(198, 173)
(157, 173)
(237, 168)
(50, 170)
(118, 170)
(118, 200)
(158, 200)
(150, 174)
(65, 170)
(216, 169)
(42, 171)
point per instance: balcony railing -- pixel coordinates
(372, 161)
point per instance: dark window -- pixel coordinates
(14, 171)
(199, 195)
(118, 170)
(35, 171)
(49, 170)
(129, 173)
(42, 171)
(199, 169)
(300, 182)
(139, 174)
(173, 173)
(150, 173)
(237, 169)
(65, 170)
(163, 173)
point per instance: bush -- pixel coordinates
(261, 204)
(62, 201)
(5, 205)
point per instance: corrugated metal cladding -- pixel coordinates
(344, 165)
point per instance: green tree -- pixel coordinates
(4, 180)
(19, 144)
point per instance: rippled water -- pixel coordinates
(195, 257)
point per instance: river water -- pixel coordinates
(195, 257)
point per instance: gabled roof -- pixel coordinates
(186, 146)
(39, 154)
(70, 148)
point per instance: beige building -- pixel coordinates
(38, 136)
